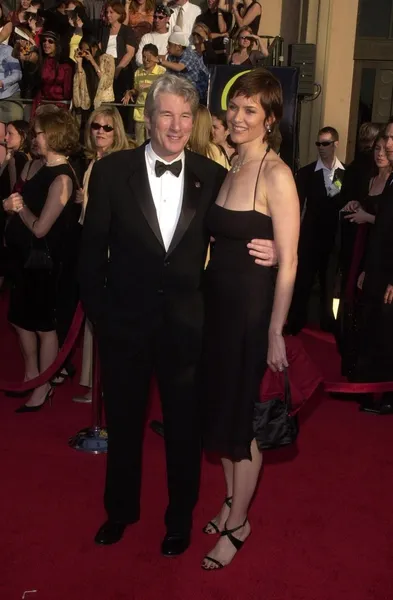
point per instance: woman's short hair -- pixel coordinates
(120, 141)
(61, 131)
(118, 8)
(171, 84)
(260, 82)
(23, 128)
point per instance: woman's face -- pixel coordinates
(111, 15)
(13, 139)
(25, 4)
(246, 119)
(244, 40)
(40, 145)
(102, 139)
(49, 46)
(380, 156)
(220, 132)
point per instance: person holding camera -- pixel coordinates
(93, 79)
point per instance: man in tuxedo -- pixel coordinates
(319, 185)
(148, 207)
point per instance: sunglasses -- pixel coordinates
(244, 37)
(159, 17)
(324, 143)
(48, 40)
(97, 126)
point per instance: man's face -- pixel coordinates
(170, 125)
(160, 23)
(212, 4)
(389, 142)
(175, 49)
(327, 147)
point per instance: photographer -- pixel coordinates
(93, 79)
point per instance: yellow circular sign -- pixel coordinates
(225, 92)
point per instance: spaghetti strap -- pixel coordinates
(259, 172)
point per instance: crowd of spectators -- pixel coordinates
(83, 54)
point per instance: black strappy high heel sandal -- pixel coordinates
(235, 541)
(228, 502)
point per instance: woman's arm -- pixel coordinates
(250, 15)
(283, 205)
(6, 32)
(58, 195)
(67, 81)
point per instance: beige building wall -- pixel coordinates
(331, 25)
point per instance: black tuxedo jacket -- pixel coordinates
(142, 288)
(320, 212)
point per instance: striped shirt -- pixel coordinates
(142, 82)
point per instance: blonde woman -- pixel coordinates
(201, 139)
(104, 134)
(248, 50)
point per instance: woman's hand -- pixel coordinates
(79, 196)
(388, 297)
(13, 203)
(351, 206)
(361, 280)
(276, 355)
(78, 56)
(359, 216)
(88, 56)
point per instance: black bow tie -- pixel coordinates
(174, 168)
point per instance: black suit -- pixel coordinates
(320, 217)
(147, 307)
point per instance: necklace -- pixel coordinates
(236, 168)
(57, 161)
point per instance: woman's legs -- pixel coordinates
(245, 479)
(28, 344)
(223, 515)
(49, 347)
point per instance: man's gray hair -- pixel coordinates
(171, 84)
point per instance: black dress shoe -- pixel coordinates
(175, 544)
(110, 533)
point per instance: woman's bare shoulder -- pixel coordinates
(276, 169)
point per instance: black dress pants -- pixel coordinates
(126, 374)
(313, 261)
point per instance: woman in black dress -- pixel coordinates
(246, 304)
(247, 12)
(361, 215)
(44, 220)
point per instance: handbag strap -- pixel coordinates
(78, 185)
(287, 391)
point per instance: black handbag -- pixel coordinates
(274, 424)
(39, 259)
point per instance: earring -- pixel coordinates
(268, 129)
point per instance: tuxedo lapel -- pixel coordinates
(191, 194)
(139, 183)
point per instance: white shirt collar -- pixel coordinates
(151, 157)
(336, 165)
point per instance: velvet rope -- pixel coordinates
(10, 386)
(345, 387)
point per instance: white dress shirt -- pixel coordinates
(190, 13)
(328, 176)
(158, 39)
(167, 192)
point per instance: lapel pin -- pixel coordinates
(197, 184)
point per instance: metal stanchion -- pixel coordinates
(93, 439)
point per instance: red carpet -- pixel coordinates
(322, 526)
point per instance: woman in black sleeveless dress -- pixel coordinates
(249, 13)
(246, 304)
(43, 221)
